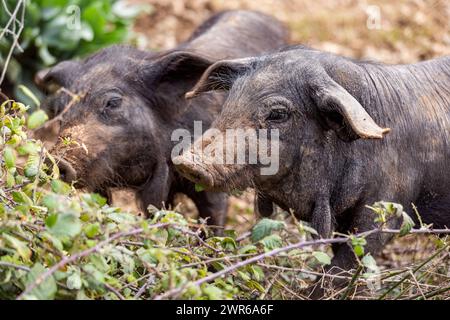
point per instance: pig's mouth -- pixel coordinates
(197, 174)
(86, 176)
(67, 172)
(213, 177)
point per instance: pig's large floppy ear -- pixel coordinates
(174, 66)
(61, 75)
(345, 114)
(220, 76)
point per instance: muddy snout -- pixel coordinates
(193, 169)
(66, 172)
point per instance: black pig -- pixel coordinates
(117, 109)
(335, 156)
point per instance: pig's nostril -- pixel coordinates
(191, 172)
(66, 172)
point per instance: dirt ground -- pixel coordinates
(384, 30)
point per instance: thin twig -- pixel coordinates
(15, 43)
(414, 271)
(115, 291)
(352, 283)
(431, 294)
(314, 273)
(144, 287)
(15, 266)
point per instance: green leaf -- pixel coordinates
(74, 281)
(212, 292)
(94, 274)
(407, 224)
(250, 248)
(244, 276)
(230, 233)
(54, 203)
(37, 119)
(255, 285)
(91, 230)
(66, 225)
(265, 227)
(10, 181)
(359, 250)
(60, 187)
(369, 262)
(32, 165)
(199, 188)
(99, 262)
(322, 257)
(29, 94)
(98, 199)
(122, 217)
(46, 289)
(9, 158)
(271, 242)
(228, 243)
(51, 220)
(20, 246)
(22, 198)
(305, 229)
(55, 241)
(257, 272)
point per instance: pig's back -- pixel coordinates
(237, 34)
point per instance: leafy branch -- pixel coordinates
(176, 292)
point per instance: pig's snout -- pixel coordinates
(66, 172)
(193, 171)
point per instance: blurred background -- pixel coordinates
(402, 31)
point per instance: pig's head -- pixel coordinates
(112, 111)
(291, 93)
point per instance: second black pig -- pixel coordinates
(117, 109)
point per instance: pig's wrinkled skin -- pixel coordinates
(121, 105)
(337, 154)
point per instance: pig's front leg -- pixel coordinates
(105, 193)
(363, 220)
(263, 205)
(321, 219)
(212, 206)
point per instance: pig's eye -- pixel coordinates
(278, 115)
(113, 103)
